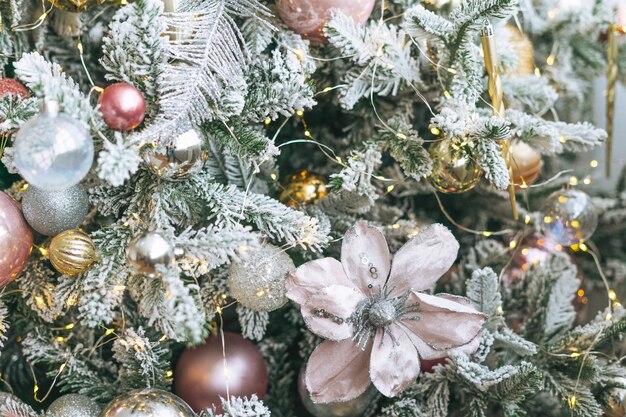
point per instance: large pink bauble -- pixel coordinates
(200, 378)
(308, 17)
(123, 107)
(16, 240)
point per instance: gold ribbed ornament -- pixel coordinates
(72, 252)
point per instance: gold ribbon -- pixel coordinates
(611, 75)
(496, 93)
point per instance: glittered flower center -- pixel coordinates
(382, 313)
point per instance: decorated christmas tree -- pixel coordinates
(327, 208)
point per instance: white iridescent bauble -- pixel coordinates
(569, 217)
(51, 212)
(149, 402)
(53, 151)
(73, 405)
(258, 280)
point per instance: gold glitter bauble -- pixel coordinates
(303, 187)
(454, 170)
(76, 6)
(524, 51)
(72, 252)
(526, 164)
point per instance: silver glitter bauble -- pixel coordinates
(148, 402)
(353, 408)
(147, 251)
(183, 158)
(51, 212)
(569, 217)
(73, 405)
(53, 151)
(258, 280)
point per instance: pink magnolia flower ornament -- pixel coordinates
(377, 321)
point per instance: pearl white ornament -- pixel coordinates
(52, 151)
(258, 280)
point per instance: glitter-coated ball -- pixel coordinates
(258, 280)
(122, 105)
(353, 408)
(569, 217)
(616, 406)
(76, 6)
(303, 187)
(73, 405)
(147, 251)
(182, 159)
(454, 169)
(309, 17)
(12, 87)
(51, 212)
(52, 151)
(526, 164)
(72, 252)
(149, 402)
(16, 240)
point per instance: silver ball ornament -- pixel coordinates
(569, 217)
(53, 151)
(148, 402)
(51, 212)
(182, 159)
(352, 408)
(258, 280)
(147, 251)
(73, 405)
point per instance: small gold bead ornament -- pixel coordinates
(302, 188)
(72, 252)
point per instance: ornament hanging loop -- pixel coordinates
(612, 75)
(496, 93)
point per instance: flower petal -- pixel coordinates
(443, 324)
(326, 313)
(423, 260)
(365, 257)
(337, 371)
(312, 276)
(394, 364)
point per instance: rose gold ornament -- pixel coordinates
(200, 377)
(16, 240)
(13, 87)
(526, 164)
(308, 17)
(122, 105)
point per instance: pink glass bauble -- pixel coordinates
(123, 107)
(308, 17)
(16, 240)
(200, 379)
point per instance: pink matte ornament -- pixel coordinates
(200, 379)
(308, 17)
(123, 107)
(16, 240)
(378, 321)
